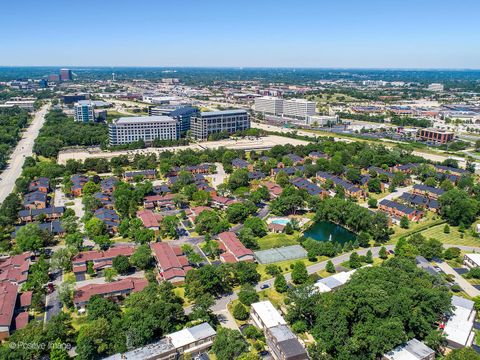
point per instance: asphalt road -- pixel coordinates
(24, 148)
(53, 305)
(221, 303)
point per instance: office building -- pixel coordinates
(213, 122)
(147, 128)
(183, 114)
(187, 342)
(436, 136)
(53, 78)
(322, 120)
(66, 75)
(280, 339)
(72, 99)
(299, 108)
(435, 87)
(84, 111)
(269, 105)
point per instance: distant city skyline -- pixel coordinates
(351, 34)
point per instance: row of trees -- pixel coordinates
(12, 121)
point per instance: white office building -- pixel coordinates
(269, 105)
(435, 87)
(212, 122)
(322, 120)
(147, 128)
(299, 108)
(84, 111)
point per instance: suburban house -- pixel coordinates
(108, 185)
(110, 218)
(78, 181)
(235, 247)
(187, 342)
(274, 189)
(15, 268)
(349, 188)
(146, 174)
(450, 170)
(158, 201)
(315, 155)
(35, 200)
(406, 168)
(240, 164)
(420, 201)
(289, 170)
(458, 327)
(193, 169)
(411, 350)
(398, 210)
(149, 219)
(12, 304)
(428, 191)
(49, 214)
(41, 184)
(221, 202)
(471, 260)
(100, 259)
(172, 264)
(311, 188)
(115, 290)
(280, 339)
(334, 281)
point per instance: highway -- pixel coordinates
(24, 148)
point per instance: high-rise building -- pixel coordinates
(228, 121)
(183, 114)
(53, 78)
(84, 111)
(66, 75)
(299, 108)
(269, 105)
(147, 128)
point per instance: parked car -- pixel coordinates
(264, 286)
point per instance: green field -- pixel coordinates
(454, 237)
(271, 241)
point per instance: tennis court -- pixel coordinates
(280, 254)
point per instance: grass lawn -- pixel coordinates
(429, 221)
(180, 292)
(454, 237)
(285, 266)
(276, 298)
(271, 241)
(230, 308)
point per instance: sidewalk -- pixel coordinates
(464, 284)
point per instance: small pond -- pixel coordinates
(328, 231)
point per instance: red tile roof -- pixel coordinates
(15, 268)
(26, 298)
(79, 268)
(234, 245)
(149, 218)
(165, 255)
(95, 255)
(228, 258)
(223, 200)
(83, 294)
(21, 320)
(273, 188)
(155, 198)
(8, 298)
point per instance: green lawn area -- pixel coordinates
(276, 298)
(454, 237)
(285, 266)
(180, 292)
(426, 223)
(271, 241)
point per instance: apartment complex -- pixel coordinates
(147, 128)
(411, 350)
(213, 122)
(269, 105)
(187, 342)
(280, 339)
(84, 111)
(299, 108)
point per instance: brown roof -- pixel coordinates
(276, 227)
(228, 258)
(165, 255)
(79, 268)
(8, 298)
(21, 320)
(15, 268)
(95, 255)
(84, 293)
(149, 218)
(273, 188)
(223, 200)
(234, 245)
(152, 198)
(26, 298)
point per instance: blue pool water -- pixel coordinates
(280, 221)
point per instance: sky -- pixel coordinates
(241, 33)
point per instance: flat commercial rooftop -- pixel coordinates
(280, 254)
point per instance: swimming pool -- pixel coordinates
(280, 221)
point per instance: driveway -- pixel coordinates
(464, 284)
(60, 199)
(23, 149)
(219, 177)
(53, 306)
